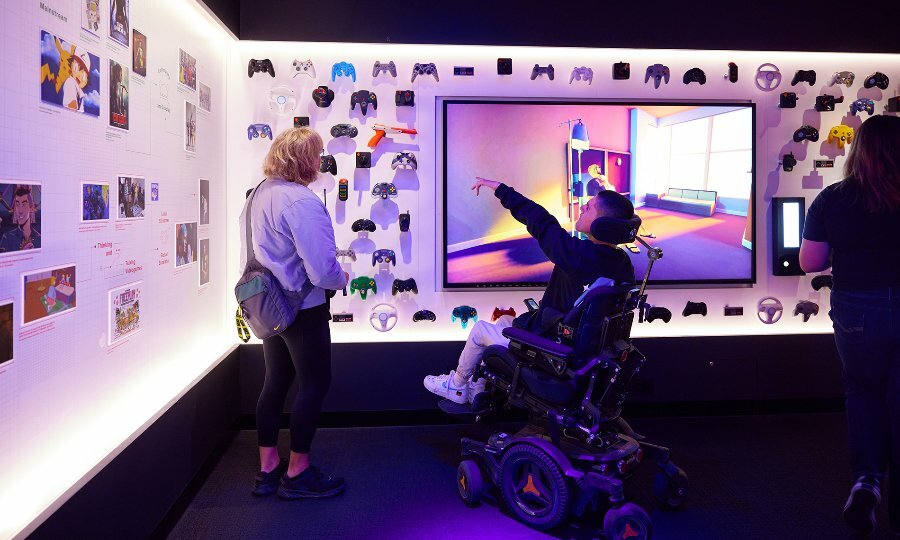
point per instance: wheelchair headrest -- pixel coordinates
(615, 231)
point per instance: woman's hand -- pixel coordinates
(484, 182)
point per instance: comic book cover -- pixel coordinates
(70, 75)
(118, 95)
(139, 53)
(187, 70)
(119, 22)
(94, 201)
(20, 217)
(124, 311)
(90, 16)
(48, 293)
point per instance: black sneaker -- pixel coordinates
(266, 483)
(859, 512)
(310, 484)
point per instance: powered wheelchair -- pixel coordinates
(576, 448)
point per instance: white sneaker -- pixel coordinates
(443, 386)
(477, 387)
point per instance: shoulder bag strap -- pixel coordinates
(248, 230)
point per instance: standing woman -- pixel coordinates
(293, 237)
(854, 227)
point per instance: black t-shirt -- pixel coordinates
(866, 246)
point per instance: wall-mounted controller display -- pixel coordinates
(788, 214)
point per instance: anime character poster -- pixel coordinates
(132, 197)
(48, 293)
(94, 202)
(118, 95)
(119, 22)
(205, 98)
(90, 16)
(190, 127)
(204, 201)
(6, 332)
(187, 70)
(124, 311)
(20, 217)
(204, 262)
(70, 75)
(185, 243)
(139, 53)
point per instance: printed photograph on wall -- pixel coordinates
(118, 95)
(185, 243)
(187, 70)
(70, 75)
(119, 24)
(20, 217)
(132, 197)
(190, 127)
(204, 262)
(139, 53)
(90, 16)
(205, 98)
(124, 311)
(47, 293)
(204, 202)
(6, 332)
(94, 201)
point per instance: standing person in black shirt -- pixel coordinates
(577, 263)
(853, 227)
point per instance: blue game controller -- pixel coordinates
(464, 313)
(384, 190)
(260, 131)
(861, 105)
(384, 256)
(343, 69)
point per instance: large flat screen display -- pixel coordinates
(687, 167)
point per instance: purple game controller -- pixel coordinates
(657, 72)
(384, 256)
(380, 68)
(364, 98)
(861, 105)
(425, 69)
(384, 190)
(257, 66)
(259, 131)
(344, 69)
(537, 71)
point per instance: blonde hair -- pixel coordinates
(295, 155)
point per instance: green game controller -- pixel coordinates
(363, 284)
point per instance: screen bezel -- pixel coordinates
(672, 283)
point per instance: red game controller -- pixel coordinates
(501, 312)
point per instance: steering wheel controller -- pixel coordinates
(768, 77)
(383, 317)
(769, 310)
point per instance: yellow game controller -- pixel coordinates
(841, 134)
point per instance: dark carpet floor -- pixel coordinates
(753, 477)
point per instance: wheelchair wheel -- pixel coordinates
(534, 487)
(469, 482)
(627, 522)
(670, 486)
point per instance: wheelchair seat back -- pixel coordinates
(603, 316)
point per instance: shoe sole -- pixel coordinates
(859, 512)
(290, 494)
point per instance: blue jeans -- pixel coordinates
(867, 335)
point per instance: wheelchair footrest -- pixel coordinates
(456, 409)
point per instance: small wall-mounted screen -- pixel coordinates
(790, 217)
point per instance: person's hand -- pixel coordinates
(484, 182)
(346, 279)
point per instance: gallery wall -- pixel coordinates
(80, 382)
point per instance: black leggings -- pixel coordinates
(303, 349)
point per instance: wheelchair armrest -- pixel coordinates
(545, 353)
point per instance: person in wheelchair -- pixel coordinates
(577, 263)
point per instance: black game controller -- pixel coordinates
(732, 72)
(259, 66)
(621, 71)
(328, 164)
(363, 225)
(878, 79)
(404, 285)
(808, 133)
(538, 71)
(788, 162)
(654, 313)
(384, 256)
(344, 130)
(301, 121)
(323, 96)
(826, 102)
(424, 315)
(823, 281)
(504, 66)
(364, 98)
(804, 75)
(807, 308)
(694, 308)
(404, 222)
(893, 104)
(694, 75)
(363, 160)
(405, 98)
(787, 100)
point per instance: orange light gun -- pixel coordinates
(381, 130)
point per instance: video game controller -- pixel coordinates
(825, 280)
(464, 314)
(405, 98)
(404, 222)
(425, 69)
(323, 96)
(405, 160)
(363, 284)
(893, 104)
(878, 79)
(343, 189)
(363, 160)
(804, 75)
(732, 75)
(261, 131)
(380, 68)
(282, 100)
(363, 225)
(259, 66)
(343, 69)
(582, 74)
(661, 313)
(694, 75)
(788, 162)
(304, 68)
(364, 98)
(424, 315)
(301, 121)
(806, 132)
(383, 317)
(404, 285)
(694, 308)
(537, 71)
(657, 72)
(501, 312)
(768, 77)
(841, 135)
(384, 256)
(621, 71)
(861, 105)
(787, 100)
(843, 77)
(807, 308)
(769, 310)
(384, 190)
(504, 66)
(344, 130)
(827, 102)
(349, 253)
(328, 164)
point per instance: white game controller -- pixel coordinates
(282, 100)
(383, 317)
(305, 67)
(768, 77)
(769, 310)
(582, 74)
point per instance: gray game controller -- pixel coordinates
(404, 160)
(657, 72)
(537, 71)
(349, 253)
(425, 69)
(843, 77)
(304, 67)
(380, 68)
(582, 74)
